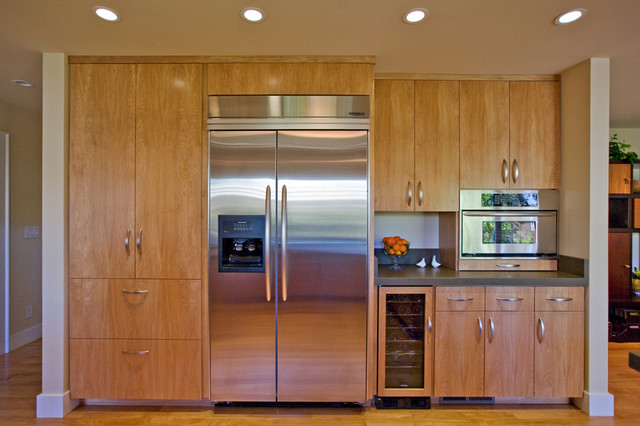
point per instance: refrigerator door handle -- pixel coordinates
(284, 243)
(267, 241)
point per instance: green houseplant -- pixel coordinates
(618, 150)
(635, 282)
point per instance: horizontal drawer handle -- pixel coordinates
(460, 299)
(508, 265)
(560, 299)
(135, 352)
(510, 299)
(135, 291)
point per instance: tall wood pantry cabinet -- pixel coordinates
(135, 229)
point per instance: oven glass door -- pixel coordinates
(508, 234)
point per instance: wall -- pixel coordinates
(25, 130)
(420, 229)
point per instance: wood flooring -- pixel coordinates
(20, 382)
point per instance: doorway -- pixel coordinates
(4, 242)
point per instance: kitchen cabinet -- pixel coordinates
(405, 341)
(135, 230)
(416, 145)
(505, 127)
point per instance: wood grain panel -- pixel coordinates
(446, 298)
(459, 354)
(636, 213)
(499, 265)
(394, 146)
(437, 145)
(290, 79)
(484, 133)
(498, 298)
(448, 239)
(559, 358)
(509, 353)
(471, 77)
(534, 134)
(619, 178)
(619, 264)
(545, 294)
(101, 170)
(100, 368)
(169, 170)
(190, 59)
(168, 310)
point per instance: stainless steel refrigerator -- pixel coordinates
(288, 232)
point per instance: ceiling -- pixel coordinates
(458, 37)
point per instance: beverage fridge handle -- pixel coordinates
(267, 241)
(284, 243)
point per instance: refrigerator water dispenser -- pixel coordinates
(240, 245)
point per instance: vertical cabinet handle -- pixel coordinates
(540, 330)
(492, 330)
(409, 193)
(127, 238)
(480, 330)
(429, 329)
(267, 241)
(284, 243)
(505, 171)
(139, 240)
(420, 193)
(515, 171)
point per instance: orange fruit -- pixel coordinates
(396, 247)
(404, 242)
(391, 241)
(391, 251)
(403, 249)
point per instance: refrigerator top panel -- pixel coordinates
(288, 112)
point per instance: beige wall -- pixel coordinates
(25, 130)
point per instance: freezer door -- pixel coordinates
(243, 340)
(322, 322)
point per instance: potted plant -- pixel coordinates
(618, 150)
(635, 282)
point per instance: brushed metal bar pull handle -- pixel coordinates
(127, 238)
(284, 243)
(135, 291)
(409, 193)
(460, 299)
(494, 214)
(267, 241)
(559, 299)
(139, 240)
(508, 265)
(430, 329)
(540, 330)
(516, 171)
(505, 171)
(492, 330)
(509, 299)
(420, 193)
(480, 329)
(135, 352)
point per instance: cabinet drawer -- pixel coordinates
(509, 298)
(135, 309)
(135, 369)
(559, 298)
(459, 298)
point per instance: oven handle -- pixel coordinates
(530, 213)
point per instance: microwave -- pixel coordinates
(498, 224)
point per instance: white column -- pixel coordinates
(54, 400)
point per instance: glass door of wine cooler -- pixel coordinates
(405, 335)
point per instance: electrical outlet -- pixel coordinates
(28, 311)
(31, 231)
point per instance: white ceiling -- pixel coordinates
(458, 37)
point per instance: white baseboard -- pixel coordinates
(25, 336)
(596, 404)
(54, 406)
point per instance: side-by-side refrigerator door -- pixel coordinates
(322, 186)
(242, 198)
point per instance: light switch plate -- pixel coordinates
(32, 231)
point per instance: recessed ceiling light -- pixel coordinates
(106, 13)
(570, 16)
(415, 15)
(253, 14)
(23, 83)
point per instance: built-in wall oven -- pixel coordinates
(497, 224)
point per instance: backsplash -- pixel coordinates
(420, 229)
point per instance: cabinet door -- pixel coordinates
(101, 170)
(559, 354)
(168, 170)
(484, 134)
(394, 145)
(459, 354)
(619, 264)
(534, 115)
(509, 354)
(437, 145)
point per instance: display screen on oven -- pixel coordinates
(509, 200)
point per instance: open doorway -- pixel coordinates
(4, 242)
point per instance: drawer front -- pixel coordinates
(459, 298)
(509, 299)
(559, 298)
(135, 309)
(135, 369)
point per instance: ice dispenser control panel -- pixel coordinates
(240, 244)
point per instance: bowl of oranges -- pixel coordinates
(396, 247)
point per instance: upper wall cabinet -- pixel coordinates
(509, 134)
(416, 145)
